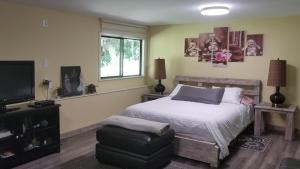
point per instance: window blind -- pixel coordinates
(114, 28)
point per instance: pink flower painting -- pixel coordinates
(223, 46)
(221, 54)
(220, 58)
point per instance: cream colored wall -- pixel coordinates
(84, 111)
(69, 40)
(281, 39)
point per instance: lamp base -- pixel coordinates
(277, 98)
(160, 88)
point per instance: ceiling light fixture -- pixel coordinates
(214, 10)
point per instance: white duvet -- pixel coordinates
(224, 122)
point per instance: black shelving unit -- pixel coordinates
(27, 134)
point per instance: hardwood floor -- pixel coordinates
(71, 148)
(83, 144)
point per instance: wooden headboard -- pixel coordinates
(251, 88)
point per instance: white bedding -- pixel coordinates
(224, 122)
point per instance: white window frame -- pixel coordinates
(121, 73)
(125, 31)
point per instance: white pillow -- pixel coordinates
(177, 88)
(232, 95)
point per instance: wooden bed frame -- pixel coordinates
(205, 151)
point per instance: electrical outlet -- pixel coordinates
(47, 83)
(45, 63)
(45, 22)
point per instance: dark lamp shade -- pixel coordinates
(277, 73)
(160, 69)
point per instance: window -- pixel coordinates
(120, 57)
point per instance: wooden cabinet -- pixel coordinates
(27, 134)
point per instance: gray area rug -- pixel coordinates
(256, 143)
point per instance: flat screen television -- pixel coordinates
(16, 82)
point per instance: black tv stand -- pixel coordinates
(28, 133)
(2, 108)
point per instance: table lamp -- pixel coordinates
(160, 73)
(277, 78)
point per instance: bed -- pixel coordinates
(205, 137)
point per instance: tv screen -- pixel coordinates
(17, 81)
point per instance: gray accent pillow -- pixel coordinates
(207, 95)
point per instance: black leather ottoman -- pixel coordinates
(290, 163)
(134, 149)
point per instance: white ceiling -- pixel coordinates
(160, 12)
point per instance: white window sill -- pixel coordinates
(120, 78)
(100, 93)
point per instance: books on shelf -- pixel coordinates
(5, 133)
(6, 154)
(30, 147)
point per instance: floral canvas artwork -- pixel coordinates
(220, 54)
(220, 58)
(207, 46)
(221, 37)
(191, 47)
(254, 45)
(223, 46)
(236, 46)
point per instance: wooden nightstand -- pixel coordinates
(289, 111)
(153, 96)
